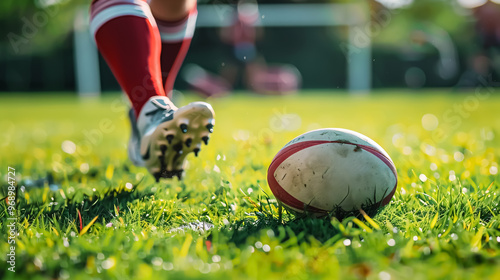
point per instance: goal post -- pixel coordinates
(86, 58)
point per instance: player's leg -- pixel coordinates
(176, 21)
(128, 38)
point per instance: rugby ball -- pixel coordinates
(332, 170)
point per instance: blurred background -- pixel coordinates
(355, 45)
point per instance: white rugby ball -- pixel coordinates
(332, 170)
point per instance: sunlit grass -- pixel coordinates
(221, 221)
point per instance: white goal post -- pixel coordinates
(355, 16)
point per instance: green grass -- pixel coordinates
(443, 222)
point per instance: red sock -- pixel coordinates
(176, 38)
(128, 39)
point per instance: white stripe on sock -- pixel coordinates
(137, 9)
(182, 32)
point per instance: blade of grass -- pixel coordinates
(87, 227)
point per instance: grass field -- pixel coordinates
(85, 212)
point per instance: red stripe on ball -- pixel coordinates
(280, 193)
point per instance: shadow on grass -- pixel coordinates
(103, 203)
(301, 228)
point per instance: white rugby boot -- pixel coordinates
(164, 135)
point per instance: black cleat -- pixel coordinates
(178, 148)
(210, 127)
(188, 142)
(196, 151)
(205, 139)
(184, 128)
(170, 138)
(163, 149)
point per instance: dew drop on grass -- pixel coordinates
(168, 266)
(445, 158)
(407, 150)
(433, 166)
(216, 169)
(157, 261)
(129, 186)
(384, 275)
(84, 168)
(454, 236)
(266, 248)
(422, 177)
(437, 175)
(139, 176)
(258, 244)
(498, 239)
(347, 242)
(214, 267)
(430, 122)
(38, 262)
(391, 242)
(68, 147)
(100, 256)
(415, 238)
(430, 150)
(398, 140)
(458, 156)
(63, 274)
(452, 177)
(108, 263)
(216, 258)
(426, 250)
(493, 170)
